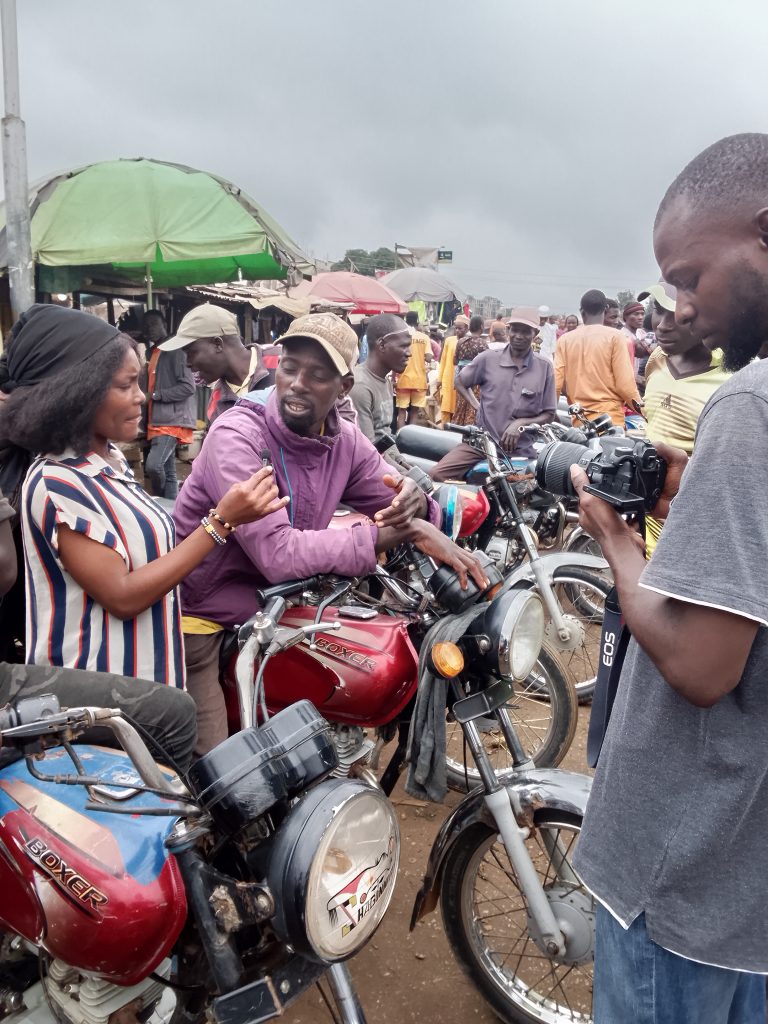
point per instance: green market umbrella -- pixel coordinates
(115, 223)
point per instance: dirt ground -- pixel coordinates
(400, 976)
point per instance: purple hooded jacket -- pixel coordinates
(317, 473)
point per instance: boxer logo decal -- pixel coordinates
(67, 879)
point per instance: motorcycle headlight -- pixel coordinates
(512, 632)
(333, 867)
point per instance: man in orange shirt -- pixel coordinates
(592, 364)
(171, 408)
(411, 389)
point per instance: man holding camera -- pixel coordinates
(673, 843)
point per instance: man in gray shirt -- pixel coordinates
(389, 346)
(674, 840)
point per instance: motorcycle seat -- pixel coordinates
(426, 443)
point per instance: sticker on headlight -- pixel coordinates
(350, 905)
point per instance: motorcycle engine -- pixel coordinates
(84, 999)
(352, 747)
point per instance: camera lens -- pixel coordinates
(554, 465)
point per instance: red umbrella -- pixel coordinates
(366, 293)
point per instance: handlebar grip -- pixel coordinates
(286, 589)
(458, 429)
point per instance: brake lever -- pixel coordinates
(286, 638)
(338, 591)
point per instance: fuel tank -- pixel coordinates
(363, 674)
(96, 890)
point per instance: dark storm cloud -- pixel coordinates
(533, 140)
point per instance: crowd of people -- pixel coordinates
(121, 595)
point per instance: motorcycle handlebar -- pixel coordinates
(467, 431)
(286, 589)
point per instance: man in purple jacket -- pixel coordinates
(320, 461)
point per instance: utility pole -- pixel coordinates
(21, 272)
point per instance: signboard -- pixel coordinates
(445, 255)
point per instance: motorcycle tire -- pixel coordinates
(582, 594)
(486, 922)
(546, 686)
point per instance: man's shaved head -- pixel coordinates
(728, 174)
(384, 323)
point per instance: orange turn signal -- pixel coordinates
(490, 594)
(447, 659)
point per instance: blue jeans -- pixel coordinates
(638, 982)
(160, 466)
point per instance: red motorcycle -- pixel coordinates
(361, 668)
(505, 850)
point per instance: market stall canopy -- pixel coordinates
(365, 294)
(117, 221)
(421, 283)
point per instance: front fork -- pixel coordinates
(544, 582)
(499, 801)
(346, 998)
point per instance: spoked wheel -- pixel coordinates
(582, 598)
(544, 712)
(485, 917)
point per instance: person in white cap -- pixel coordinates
(210, 338)
(547, 335)
(681, 376)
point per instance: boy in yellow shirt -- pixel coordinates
(681, 376)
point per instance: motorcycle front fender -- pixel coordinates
(550, 788)
(576, 534)
(553, 564)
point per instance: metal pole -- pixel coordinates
(21, 273)
(148, 280)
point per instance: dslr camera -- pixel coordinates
(626, 472)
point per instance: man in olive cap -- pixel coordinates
(210, 338)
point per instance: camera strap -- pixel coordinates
(614, 640)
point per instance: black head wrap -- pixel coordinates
(44, 341)
(48, 339)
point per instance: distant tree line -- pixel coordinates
(361, 261)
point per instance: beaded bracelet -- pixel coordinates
(219, 519)
(212, 532)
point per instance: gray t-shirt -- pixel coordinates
(372, 398)
(677, 823)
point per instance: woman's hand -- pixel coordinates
(251, 499)
(432, 542)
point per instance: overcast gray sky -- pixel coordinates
(533, 139)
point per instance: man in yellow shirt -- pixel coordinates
(592, 364)
(411, 390)
(681, 377)
(446, 372)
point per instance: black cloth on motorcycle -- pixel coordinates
(165, 712)
(44, 341)
(614, 639)
(427, 773)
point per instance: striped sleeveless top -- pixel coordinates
(65, 626)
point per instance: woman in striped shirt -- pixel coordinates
(101, 565)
